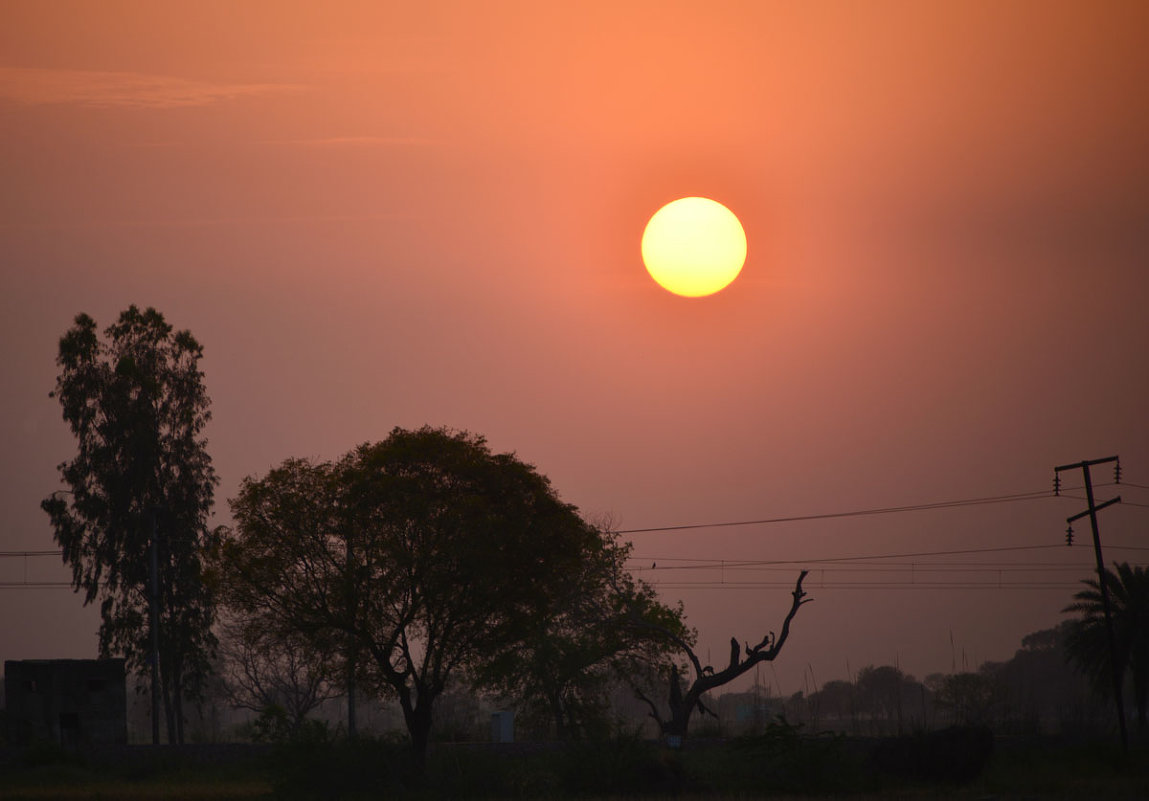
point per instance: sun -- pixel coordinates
(694, 246)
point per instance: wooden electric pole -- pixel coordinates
(1102, 582)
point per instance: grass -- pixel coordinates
(1058, 771)
(49, 772)
(783, 768)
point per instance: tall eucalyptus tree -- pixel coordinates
(139, 492)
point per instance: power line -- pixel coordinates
(1123, 502)
(765, 564)
(1022, 496)
(696, 562)
(903, 555)
(990, 499)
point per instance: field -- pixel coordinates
(786, 768)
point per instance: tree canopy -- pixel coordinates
(136, 402)
(421, 557)
(604, 629)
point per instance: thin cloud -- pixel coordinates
(353, 141)
(204, 222)
(95, 89)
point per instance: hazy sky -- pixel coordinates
(377, 214)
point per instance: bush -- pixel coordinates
(461, 772)
(958, 754)
(49, 753)
(783, 759)
(622, 764)
(315, 763)
(272, 725)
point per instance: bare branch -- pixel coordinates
(641, 696)
(682, 704)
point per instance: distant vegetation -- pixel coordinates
(1038, 691)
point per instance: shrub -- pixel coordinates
(49, 753)
(272, 725)
(957, 754)
(783, 759)
(315, 763)
(622, 764)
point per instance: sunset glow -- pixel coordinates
(905, 263)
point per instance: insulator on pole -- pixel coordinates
(1057, 483)
(1069, 535)
(1117, 472)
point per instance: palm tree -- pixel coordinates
(1087, 642)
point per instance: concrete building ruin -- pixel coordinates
(72, 702)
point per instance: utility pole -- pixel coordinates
(1102, 583)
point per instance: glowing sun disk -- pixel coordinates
(694, 246)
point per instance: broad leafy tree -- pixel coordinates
(136, 402)
(1088, 645)
(423, 554)
(285, 578)
(601, 630)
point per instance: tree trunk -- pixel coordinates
(352, 723)
(1141, 698)
(178, 701)
(417, 715)
(557, 714)
(169, 715)
(679, 720)
(576, 726)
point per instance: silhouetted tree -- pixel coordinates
(1087, 642)
(887, 695)
(1039, 685)
(285, 573)
(137, 405)
(586, 641)
(970, 698)
(836, 700)
(682, 697)
(426, 552)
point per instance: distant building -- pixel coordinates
(502, 727)
(68, 701)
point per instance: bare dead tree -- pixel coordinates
(682, 700)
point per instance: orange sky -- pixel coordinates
(375, 214)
